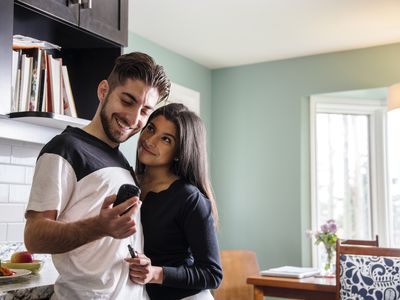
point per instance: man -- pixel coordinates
(70, 212)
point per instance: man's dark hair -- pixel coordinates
(140, 66)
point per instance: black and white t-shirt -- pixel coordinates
(74, 173)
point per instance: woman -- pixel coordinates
(178, 213)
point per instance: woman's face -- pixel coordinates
(157, 143)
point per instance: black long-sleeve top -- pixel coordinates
(179, 235)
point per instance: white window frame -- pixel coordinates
(376, 110)
(184, 95)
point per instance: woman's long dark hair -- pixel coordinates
(191, 151)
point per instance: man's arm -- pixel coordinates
(44, 234)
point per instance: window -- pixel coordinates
(348, 167)
(342, 172)
(394, 175)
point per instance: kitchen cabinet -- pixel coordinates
(90, 39)
(106, 18)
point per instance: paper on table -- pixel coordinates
(290, 271)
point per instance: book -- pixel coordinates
(36, 54)
(290, 271)
(26, 42)
(47, 101)
(15, 79)
(25, 84)
(54, 78)
(68, 97)
(42, 89)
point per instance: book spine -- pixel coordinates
(35, 79)
(69, 102)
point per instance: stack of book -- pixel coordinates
(40, 81)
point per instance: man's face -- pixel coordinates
(126, 109)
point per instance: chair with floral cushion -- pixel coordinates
(367, 272)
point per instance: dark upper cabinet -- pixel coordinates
(90, 40)
(106, 18)
(6, 32)
(63, 9)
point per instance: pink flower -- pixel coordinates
(309, 233)
(325, 228)
(332, 227)
(326, 234)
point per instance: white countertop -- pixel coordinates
(41, 282)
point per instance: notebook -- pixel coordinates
(289, 271)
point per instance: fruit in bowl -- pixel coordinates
(23, 260)
(21, 257)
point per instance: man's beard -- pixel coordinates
(107, 126)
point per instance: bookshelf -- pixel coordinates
(48, 119)
(89, 53)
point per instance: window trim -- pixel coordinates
(376, 110)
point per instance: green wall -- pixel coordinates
(257, 122)
(260, 144)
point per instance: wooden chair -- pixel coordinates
(237, 265)
(367, 272)
(361, 242)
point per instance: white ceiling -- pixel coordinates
(224, 33)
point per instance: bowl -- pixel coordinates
(34, 266)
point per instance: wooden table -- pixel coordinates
(310, 288)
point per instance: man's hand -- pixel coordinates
(118, 221)
(141, 271)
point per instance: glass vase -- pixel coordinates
(329, 261)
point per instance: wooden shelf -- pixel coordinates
(47, 119)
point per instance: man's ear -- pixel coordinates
(102, 90)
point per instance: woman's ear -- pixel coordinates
(102, 90)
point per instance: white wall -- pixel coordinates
(17, 162)
(20, 144)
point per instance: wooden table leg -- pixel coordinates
(258, 293)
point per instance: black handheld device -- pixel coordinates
(132, 251)
(125, 192)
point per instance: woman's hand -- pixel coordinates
(141, 271)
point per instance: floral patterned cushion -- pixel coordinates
(369, 277)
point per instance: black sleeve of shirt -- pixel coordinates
(198, 225)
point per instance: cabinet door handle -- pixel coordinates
(71, 2)
(86, 4)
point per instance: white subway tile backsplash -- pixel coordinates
(11, 142)
(4, 191)
(24, 155)
(19, 193)
(12, 174)
(15, 232)
(17, 162)
(3, 232)
(5, 153)
(12, 213)
(29, 171)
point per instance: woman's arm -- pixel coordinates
(205, 273)
(198, 225)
